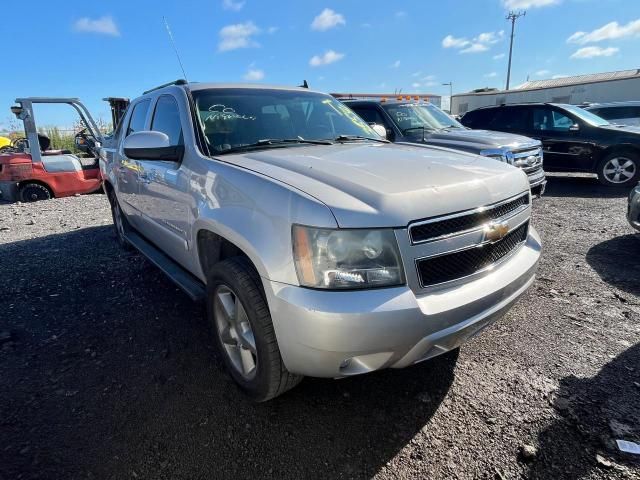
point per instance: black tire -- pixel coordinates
(120, 223)
(270, 378)
(33, 192)
(619, 169)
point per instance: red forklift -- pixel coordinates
(30, 170)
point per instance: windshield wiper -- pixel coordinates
(355, 138)
(274, 142)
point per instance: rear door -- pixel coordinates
(163, 199)
(127, 169)
(564, 139)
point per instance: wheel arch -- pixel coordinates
(621, 147)
(213, 248)
(38, 182)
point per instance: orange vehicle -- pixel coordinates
(31, 171)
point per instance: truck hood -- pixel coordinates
(479, 139)
(387, 185)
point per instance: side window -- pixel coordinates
(370, 115)
(547, 119)
(509, 118)
(614, 113)
(166, 119)
(138, 117)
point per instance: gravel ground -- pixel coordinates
(108, 371)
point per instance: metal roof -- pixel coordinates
(579, 79)
(561, 82)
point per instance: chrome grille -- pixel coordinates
(456, 265)
(528, 160)
(440, 227)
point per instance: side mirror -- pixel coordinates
(150, 145)
(574, 128)
(380, 130)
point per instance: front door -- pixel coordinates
(126, 169)
(163, 199)
(563, 140)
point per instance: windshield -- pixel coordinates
(236, 117)
(582, 114)
(411, 117)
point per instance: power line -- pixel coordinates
(513, 16)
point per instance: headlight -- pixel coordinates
(498, 154)
(343, 259)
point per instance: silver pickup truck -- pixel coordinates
(319, 248)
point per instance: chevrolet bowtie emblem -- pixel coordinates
(494, 232)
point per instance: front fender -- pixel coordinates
(256, 213)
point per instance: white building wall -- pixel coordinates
(608, 91)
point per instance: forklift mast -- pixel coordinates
(24, 111)
(118, 108)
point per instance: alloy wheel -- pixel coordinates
(235, 332)
(619, 170)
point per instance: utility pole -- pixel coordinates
(450, 84)
(513, 16)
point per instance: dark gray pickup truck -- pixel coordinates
(419, 122)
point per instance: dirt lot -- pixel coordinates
(107, 371)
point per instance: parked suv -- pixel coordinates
(621, 113)
(419, 122)
(320, 248)
(574, 140)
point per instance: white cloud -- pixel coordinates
(232, 5)
(610, 31)
(591, 52)
(489, 38)
(237, 36)
(542, 73)
(515, 4)
(326, 58)
(272, 30)
(480, 43)
(326, 20)
(382, 85)
(416, 74)
(491, 75)
(499, 56)
(253, 75)
(395, 64)
(452, 42)
(475, 48)
(401, 14)
(103, 25)
(416, 85)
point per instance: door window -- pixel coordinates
(549, 120)
(166, 119)
(138, 117)
(369, 115)
(509, 118)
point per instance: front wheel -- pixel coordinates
(119, 221)
(243, 330)
(619, 169)
(33, 192)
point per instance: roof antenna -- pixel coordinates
(304, 84)
(173, 43)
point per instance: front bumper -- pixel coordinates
(337, 334)
(633, 208)
(537, 182)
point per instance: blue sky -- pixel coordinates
(120, 48)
